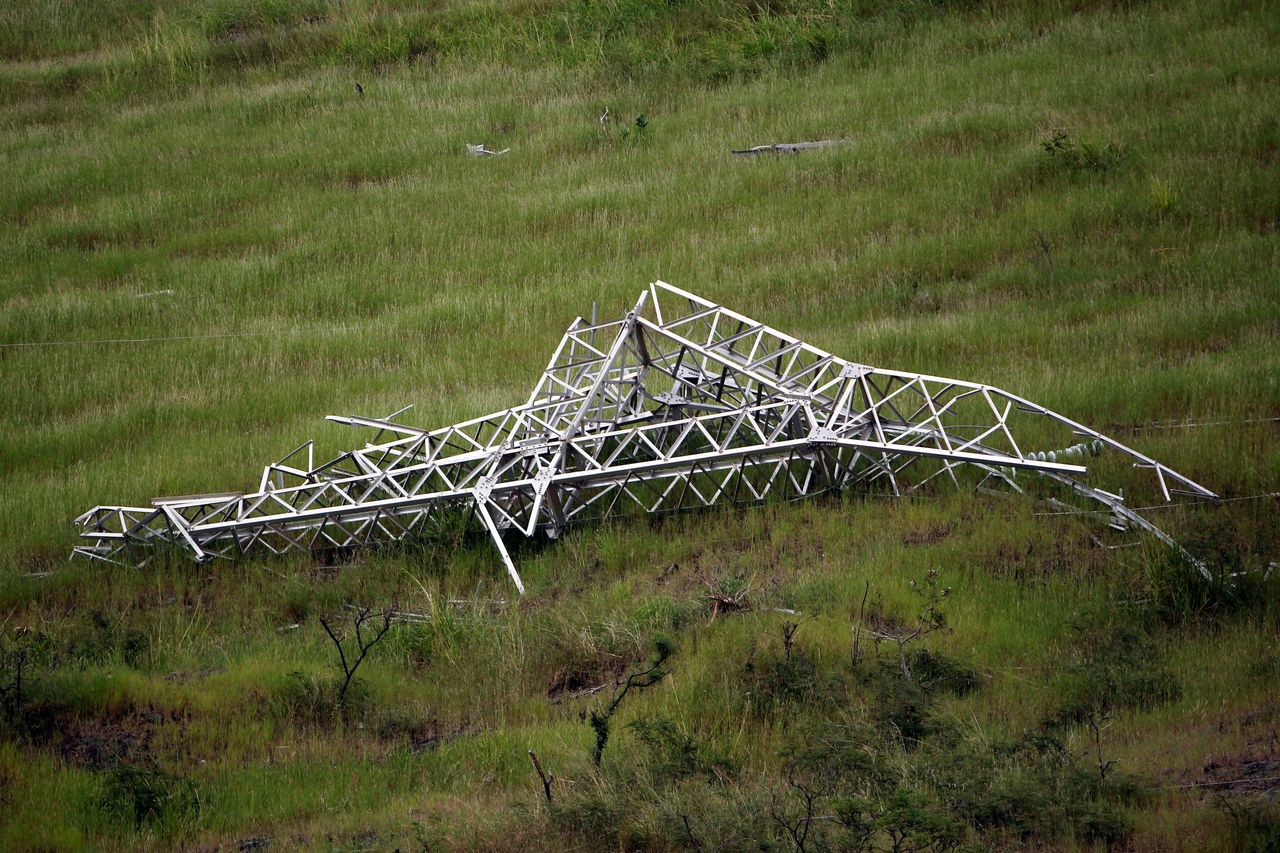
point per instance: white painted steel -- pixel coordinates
(680, 405)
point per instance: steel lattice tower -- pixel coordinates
(681, 404)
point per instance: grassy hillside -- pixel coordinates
(1075, 201)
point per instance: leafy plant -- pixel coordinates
(1254, 822)
(939, 673)
(144, 794)
(929, 618)
(770, 680)
(1178, 593)
(636, 129)
(1063, 152)
(24, 654)
(673, 754)
(650, 673)
(1112, 665)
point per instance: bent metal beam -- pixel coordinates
(681, 404)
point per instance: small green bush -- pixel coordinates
(1032, 787)
(1179, 593)
(939, 673)
(104, 638)
(1111, 665)
(1064, 153)
(24, 656)
(771, 682)
(1254, 823)
(594, 812)
(673, 755)
(140, 795)
(309, 699)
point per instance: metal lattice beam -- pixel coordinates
(681, 404)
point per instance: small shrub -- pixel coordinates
(1033, 787)
(96, 642)
(1111, 665)
(134, 645)
(771, 681)
(1063, 153)
(594, 812)
(720, 817)
(1098, 820)
(142, 795)
(929, 618)
(939, 673)
(1179, 593)
(24, 656)
(299, 603)
(846, 749)
(1254, 822)
(636, 130)
(903, 707)
(311, 699)
(673, 755)
(103, 639)
(646, 675)
(874, 790)
(911, 820)
(818, 813)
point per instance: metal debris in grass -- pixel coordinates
(788, 147)
(481, 151)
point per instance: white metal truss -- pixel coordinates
(681, 404)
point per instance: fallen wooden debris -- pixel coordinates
(721, 603)
(481, 151)
(788, 147)
(548, 779)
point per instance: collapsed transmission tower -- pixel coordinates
(681, 404)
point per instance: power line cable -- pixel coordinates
(1204, 502)
(107, 341)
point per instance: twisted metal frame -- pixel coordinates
(679, 405)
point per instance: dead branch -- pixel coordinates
(798, 829)
(725, 602)
(789, 631)
(364, 643)
(547, 779)
(693, 839)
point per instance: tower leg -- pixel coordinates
(483, 512)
